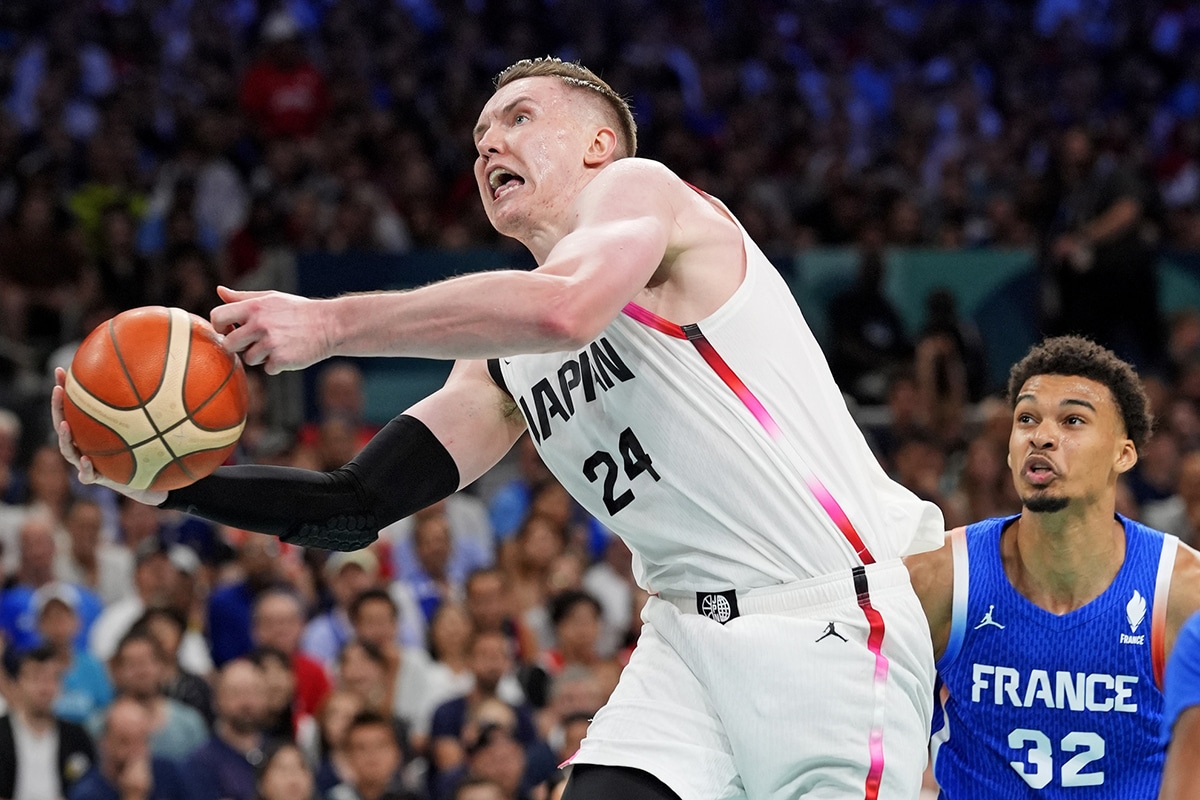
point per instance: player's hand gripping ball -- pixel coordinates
(154, 400)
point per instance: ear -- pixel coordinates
(1126, 457)
(602, 148)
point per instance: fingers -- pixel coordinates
(228, 317)
(238, 339)
(236, 312)
(87, 470)
(258, 353)
(56, 405)
(233, 295)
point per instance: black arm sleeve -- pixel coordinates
(403, 469)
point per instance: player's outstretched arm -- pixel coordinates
(420, 457)
(613, 245)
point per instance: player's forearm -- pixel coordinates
(484, 315)
(400, 471)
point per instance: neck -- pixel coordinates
(369, 790)
(37, 722)
(153, 703)
(540, 243)
(481, 693)
(542, 236)
(241, 742)
(35, 578)
(1061, 561)
(578, 655)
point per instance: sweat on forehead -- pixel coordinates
(578, 77)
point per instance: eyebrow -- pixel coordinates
(1070, 401)
(481, 126)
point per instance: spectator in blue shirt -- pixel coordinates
(224, 766)
(139, 671)
(509, 506)
(284, 774)
(126, 768)
(347, 575)
(36, 569)
(230, 610)
(85, 687)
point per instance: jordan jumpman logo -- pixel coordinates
(831, 631)
(987, 619)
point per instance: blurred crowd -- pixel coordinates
(149, 150)
(460, 656)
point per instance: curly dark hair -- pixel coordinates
(1075, 355)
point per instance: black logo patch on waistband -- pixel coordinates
(719, 606)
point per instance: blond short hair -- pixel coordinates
(579, 77)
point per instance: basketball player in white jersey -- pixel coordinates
(672, 385)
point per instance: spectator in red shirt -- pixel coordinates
(283, 94)
(341, 395)
(278, 622)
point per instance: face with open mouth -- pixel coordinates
(528, 136)
(1068, 442)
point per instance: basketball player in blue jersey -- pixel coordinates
(1051, 627)
(670, 382)
(1181, 715)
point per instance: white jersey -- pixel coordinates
(722, 452)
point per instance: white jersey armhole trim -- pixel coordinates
(961, 575)
(1158, 617)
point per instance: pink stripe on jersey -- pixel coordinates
(652, 320)
(711, 357)
(714, 360)
(875, 645)
(827, 502)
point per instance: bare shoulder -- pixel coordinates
(1184, 597)
(636, 185)
(649, 194)
(641, 169)
(1185, 581)
(932, 577)
(932, 573)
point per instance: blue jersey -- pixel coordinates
(1037, 705)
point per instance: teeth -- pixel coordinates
(498, 176)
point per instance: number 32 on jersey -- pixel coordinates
(1038, 767)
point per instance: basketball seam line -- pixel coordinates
(128, 448)
(188, 414)
(129, 377)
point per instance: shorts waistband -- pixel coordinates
(811, 594)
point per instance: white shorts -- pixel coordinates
(769, 706)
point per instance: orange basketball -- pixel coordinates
(154, 400)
